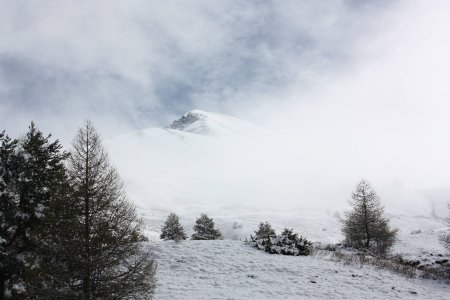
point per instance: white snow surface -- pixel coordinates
(218, 161)
(240, 175)
(232, 270)
(229, 269)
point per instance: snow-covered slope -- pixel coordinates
(204, 161)
(202, 158)
(231, 270)
(241, 175)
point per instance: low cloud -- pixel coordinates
(141, 63)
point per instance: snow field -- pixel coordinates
(232, 270)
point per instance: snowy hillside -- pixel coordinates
(213, 161)
(231, 270)
(241, 174)
(202, 158)
(217, 164)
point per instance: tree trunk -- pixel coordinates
(87, 268)
(87, 271)
(366, 223)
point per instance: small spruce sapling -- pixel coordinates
(172, 229)
(204, 229)
(265, 231)
(287, 243)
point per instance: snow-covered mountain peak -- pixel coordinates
(207, 123)
(189, 119)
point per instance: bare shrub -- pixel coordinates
(391, 264)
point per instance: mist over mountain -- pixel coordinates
(211, 161)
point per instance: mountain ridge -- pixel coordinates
(211, 123)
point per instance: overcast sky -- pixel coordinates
(342, 80)
(138, 63)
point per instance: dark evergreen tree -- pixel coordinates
(287, 243)
(365, 227)
(10, 266)
(31, 171)
(172, 229)
(265, 231)
(204, 229)
(108, 238)
(58, 248)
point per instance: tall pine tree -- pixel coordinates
(114, 263)
(58, 249)
(31, 170)
(10, 267)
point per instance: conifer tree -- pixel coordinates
(263, 236)
(204, 229)
(265, 231)
(114, 263)
(31, 170)
(365, 227)
(58, 248)
(9, 265)
(172, 229)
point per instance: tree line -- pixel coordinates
(365, 228)
(67, 230)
